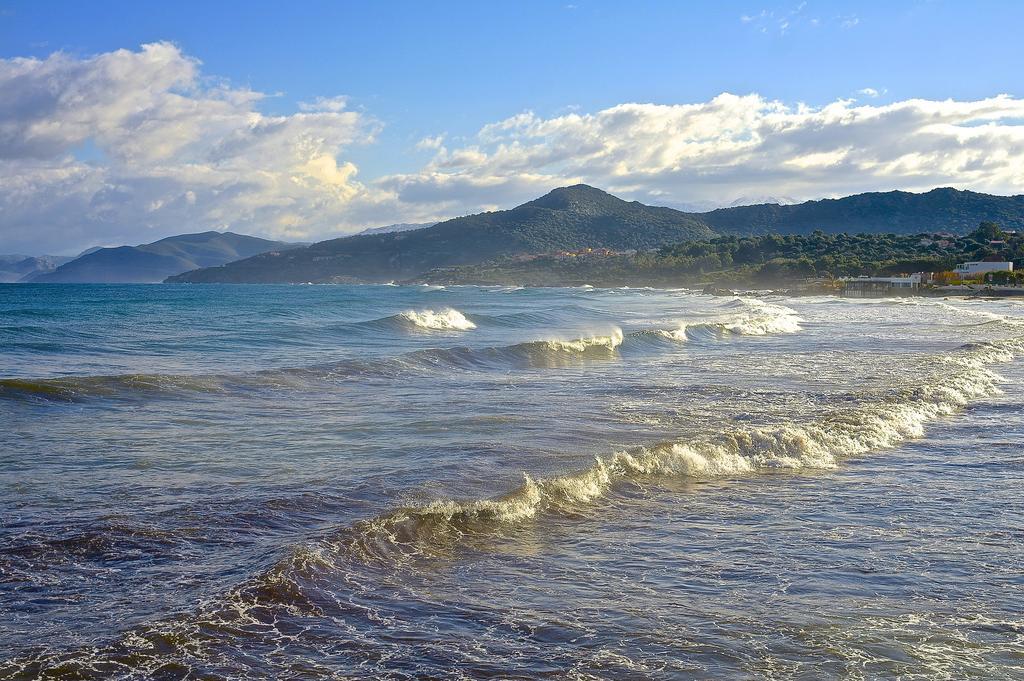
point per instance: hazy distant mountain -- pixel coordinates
(706, 206)
(156, 261)
(697, 206)
(757, 200)
(23, 267)
(577, 217)
(895, 212)
(400, 227)
(567, 218)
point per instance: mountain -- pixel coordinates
(400, 227)
(572, 218)
(156, 261)
(877, 212)
(24, 267)
(568, 218)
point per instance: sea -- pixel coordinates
(421, 482)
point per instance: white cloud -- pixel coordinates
(787, 18)
(130, 146)
(869, 92)
(333, 104)
(730, 146)
(431, 143)
(178, 153)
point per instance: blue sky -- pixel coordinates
(413, 71)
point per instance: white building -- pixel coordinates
(972, 269)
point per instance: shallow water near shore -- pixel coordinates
(463, 482)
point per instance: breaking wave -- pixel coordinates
(870, 426)
(581, 345)
(754, 318)
(447, 319)
(256, 613)
(531, 354)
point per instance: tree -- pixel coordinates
(988, 231)
(1003, 278)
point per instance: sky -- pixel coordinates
(125, 122)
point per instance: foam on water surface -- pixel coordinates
(250, 482)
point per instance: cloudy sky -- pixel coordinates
(128, 122)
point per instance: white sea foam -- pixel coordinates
(753, 318)
(447, 319)
(609, 342)
(873, 425)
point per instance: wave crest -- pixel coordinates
(755, 318)
(871, 426)
(582, 345)
(448, 319)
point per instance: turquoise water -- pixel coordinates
(408, 482)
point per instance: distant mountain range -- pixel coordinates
(757, 200)
(567, 218)
(14, 267)
(577, 217)
(706, 206)
(156, 261)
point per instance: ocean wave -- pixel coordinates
(317, 580)
(531, 354)
(580, 345)
(103, 540)
(448, 319)
(754, 318)
(987, 316)
(73, 388)
(870, 426)
(520, 320)
(740, 317)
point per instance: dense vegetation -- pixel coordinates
(880, 212)
(769, 259)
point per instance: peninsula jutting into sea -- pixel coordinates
(594, 341)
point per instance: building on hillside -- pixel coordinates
(971, 270)
(868, 287)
